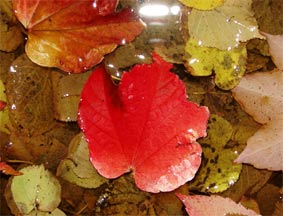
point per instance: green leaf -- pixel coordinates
(5, 123)
(217, 172)
(37, 189)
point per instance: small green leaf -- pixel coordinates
(37, 189)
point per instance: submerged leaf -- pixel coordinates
(74, 35)
(145, 125)
(217, 171)
(229, 66)
(76, 168)
(261, 95)
(66, 94)
(200, 205)
(225, 26)
(29, 96)
(10, 32)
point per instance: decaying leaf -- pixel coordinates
(251, 181)
(225, 26)
(267, 198)
(122, 197)
(229, 66)
(10, 33)
(275, 43)
(217, 171)
(29, 95)
(74, 35)
(269, 15)
(37, 189)
(261, 95)
(56, 212)
(199, 205)
(66, 94)
(77, 168)
(203, 4)
(145, 125)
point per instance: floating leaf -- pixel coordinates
(76, 168)
(37, 189)
(199, 205)
(225, 26)
(203, 4)
(74, 35)
(261, 95)
(145, 125)
(217, 172)
(229, 66)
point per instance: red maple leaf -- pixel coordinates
(74, 35)
(145, 125)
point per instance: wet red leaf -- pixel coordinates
(2, 105)
(145, 125)
(74, 35)
(8, 170)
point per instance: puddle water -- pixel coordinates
(39, 109)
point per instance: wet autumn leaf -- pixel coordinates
(8, 170)
(4, 110)
(145, 125)
(229, 65)
(29, 97)
(74, 35)
(10, 33)
(225, 26)
(37, 189)
(217, 171)
(200, 205)
(261, 95)
(76, 167)
(203, 4)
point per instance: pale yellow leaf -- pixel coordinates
(225, 26)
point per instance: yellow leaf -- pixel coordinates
(224, 27)
(4, 114)
(203, 4)
(229, 66)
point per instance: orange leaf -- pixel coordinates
(8, 170)
(74, 35)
